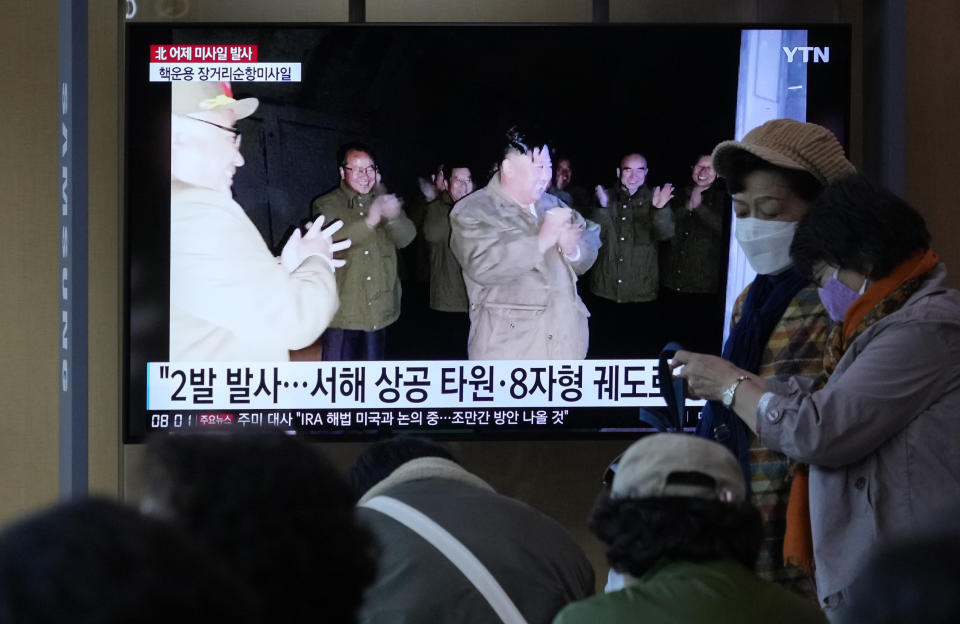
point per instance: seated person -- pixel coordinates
(530, 557)
(677, 523)
(275, 509)
(99, 562)
(912, 580)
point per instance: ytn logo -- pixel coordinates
(820, 55)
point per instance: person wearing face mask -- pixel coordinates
(779, 326)
(879, 426)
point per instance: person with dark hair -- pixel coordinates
(381, 458)
(453, 549)
(778, 325)
(678, 524)
(694, 262)
(369, 286)
(521, 251)
(911, 581)
(275, 509)
(448, 293)
(447, 290)
(93, 561)
(879, 427)
(561, 179)
(414, 259)
(572, 195)
(219, 261)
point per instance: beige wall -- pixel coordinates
(105, 251)
(559, 477)
(29, 248)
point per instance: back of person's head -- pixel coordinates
(676, 497)
(806, 155)
(855, 224)
(909, 582)
(276, 509)
(95, 561)
(381, 458)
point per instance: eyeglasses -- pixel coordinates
(368, 171)
(233, 131)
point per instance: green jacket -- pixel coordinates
(710, 592)
(368, 286)
(447, 290)
(630, 228)
(697, 253)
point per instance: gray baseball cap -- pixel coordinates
(678, 464)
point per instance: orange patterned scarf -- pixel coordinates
(884, 297)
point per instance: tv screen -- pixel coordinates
(607, 100)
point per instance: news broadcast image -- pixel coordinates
(230, 324)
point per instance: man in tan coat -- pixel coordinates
(230, 298)
(521, 252)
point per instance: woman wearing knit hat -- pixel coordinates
(879, 426)
(779, 327)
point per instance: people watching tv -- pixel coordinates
(94, 561)
(426, 510)
(521, 251)
(879, 427)
(910, 580)
(369, 286)
(275, 509)
(779, 327)
(678, 524)
(230, 298)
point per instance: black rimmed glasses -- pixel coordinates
(233, 131)
(369, 170)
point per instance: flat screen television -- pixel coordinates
(421, 95)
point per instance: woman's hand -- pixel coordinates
(708, 376)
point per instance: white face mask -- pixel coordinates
(766, 243)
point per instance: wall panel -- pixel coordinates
(933, 124)
(29, 250)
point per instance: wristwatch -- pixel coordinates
(727, 397)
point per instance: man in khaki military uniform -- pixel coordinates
(369, 287)
(521, 251)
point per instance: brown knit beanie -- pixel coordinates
(789, 144)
